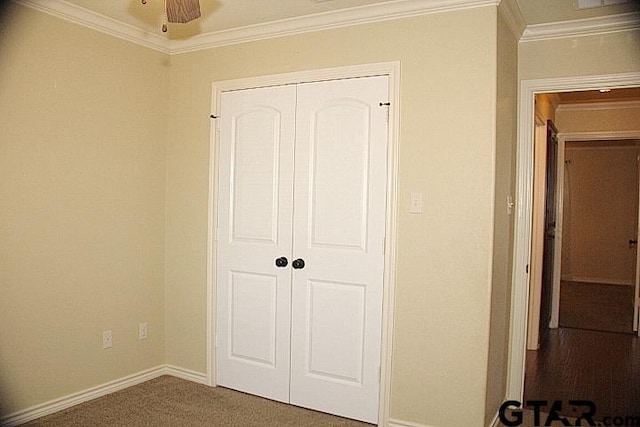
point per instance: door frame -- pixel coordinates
(524, 191)
(390, 69)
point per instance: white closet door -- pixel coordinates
(254, 229)
(339, 229)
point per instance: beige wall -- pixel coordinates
(82, 178)
(580, 56)
(84, 169)
(506, 125)
(447, 152)
(102, 139)
(598, 120)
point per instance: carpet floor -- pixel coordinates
(170, 401)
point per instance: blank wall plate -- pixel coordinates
(143, 329)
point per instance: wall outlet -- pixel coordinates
(143, 328)
(107, 339)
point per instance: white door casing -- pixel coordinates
(340, 205)
(522, 238)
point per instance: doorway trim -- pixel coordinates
(524, 191)
(391, 69)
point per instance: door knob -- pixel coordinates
(282, 262)
(633, 243)
(298, 263)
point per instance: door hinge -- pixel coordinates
(527, 268)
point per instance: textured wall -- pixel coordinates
(506, 127)
(82, 180)
(447, 152)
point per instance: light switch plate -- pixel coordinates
(415, 203)
(143, 329)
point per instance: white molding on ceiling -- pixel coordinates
(328, 20)
(304, 24)
(96, 21)
(325, 21)
(582, 27)
(513, 15)
(598, 106)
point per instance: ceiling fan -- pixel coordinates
(179, 11)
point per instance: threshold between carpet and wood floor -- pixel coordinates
(171, 401)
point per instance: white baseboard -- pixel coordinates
(496, 420)
(598, 280)
(186, 374)
(68, 401)
(401, 423)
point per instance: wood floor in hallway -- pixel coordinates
(577, 364)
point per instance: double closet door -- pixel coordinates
(300, 247)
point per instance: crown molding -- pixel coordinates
(582, 27)
(286, 27)
(330, 20)
(512, 13)
(96, 21)
(325, 21)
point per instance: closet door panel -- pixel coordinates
(339, 228)
(338, 175)
(254, 229)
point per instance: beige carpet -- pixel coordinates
(170, 401)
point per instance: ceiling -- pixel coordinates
(225, 15)
(547, 11)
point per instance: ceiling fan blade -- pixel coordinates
(182, 11)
